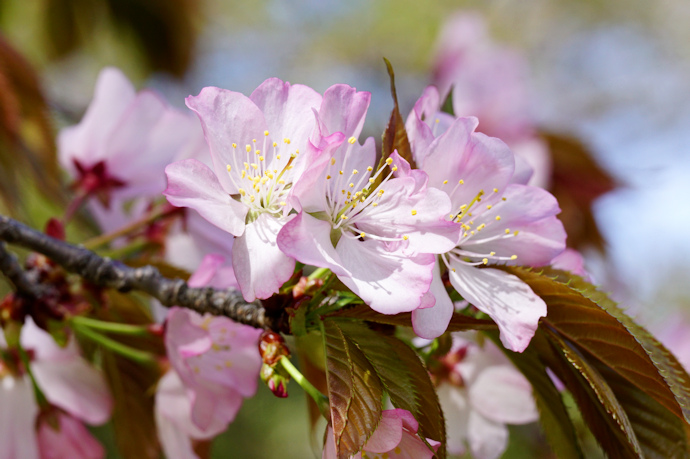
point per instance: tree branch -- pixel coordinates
(10, 267)
(105, 272)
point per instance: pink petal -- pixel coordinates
(532, 212)
(86, 141)
(76, 387)
(192, 184)
(184, 338)
(419, 133)
(389, 282)
(227, 117)
(387, 435)
(571, 260)
(71, 440)
(506, 299)
(17, 419)
(432, 322)
(259, 264)
(343, 110)
(503, 395)
(287, 109)
(308, 240)
(456, 410)
(488, 440)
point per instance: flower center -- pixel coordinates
(263, 174)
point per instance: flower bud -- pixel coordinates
(272, 347)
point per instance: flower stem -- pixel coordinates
(319, 273)
(320, 399)
(110, 327)
(117, 347)
(131, 227)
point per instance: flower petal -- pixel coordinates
(343, 109)
(192, 184)
(514, 307)
(259, 264)
(17, 419)
(308, 240)
(456, 410)
(387, 435)
(488, 439)
(389, 282)
(432, 322)
(71, 440)
(503, 395)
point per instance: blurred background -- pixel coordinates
(612, 76)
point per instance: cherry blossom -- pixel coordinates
(501, 223)
(376, 237)
(71, 439)
(73, 389)
(395, 437)
(480, 392)
(215, 365)
(260, 146)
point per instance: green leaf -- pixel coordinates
(404, 377)
(355, 392)
(554, 418)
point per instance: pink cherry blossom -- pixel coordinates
(501, 223)
(377, 239)
(491, 82)
(70, 385)
(215, 365)
(121, 146)
(70, 440)
(260, 147)
(395, 438)
(480, 393)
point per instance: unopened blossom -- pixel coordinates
(481, 392)
(501, 223)
(124, 141)
(376, 237)
(490, 82)
(394, 438)
(260, 146)
(215, 364)
(71, 386)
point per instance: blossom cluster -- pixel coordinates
(281, 180)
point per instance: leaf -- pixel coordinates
(404, 377)
(577, 180)
(632, 392)
(354, 391)
(459, 322)
(132, 386)
(553, 414)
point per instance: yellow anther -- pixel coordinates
(340, 172)
(461, 182)
(516, 232)
(261, 158)
(405, 237)
(243, 174)
(275, 144)
(351, 140)
(248, 148)
(355, 172)
(266, 133)
(472, 233)
(414, 212)
(485, 261)
(395, 168)
(241, 191)
(278, 157)
(255, 166)
(495, 190)
(351, 185)
(297, 152)
(452, 269)
(451, 216)
(445, 182)
(513, 257)
(332, 161)
(234, 145)
(371, 180)
(281, 182)
(283, 203)
(492, 253)
(254, 140)
(465, 235)
(370, 168)
(498, 217)
(362, 234)
(229, 167)
(251, 199)
(389, 161)
(507, 230)
(481, 227)
(343, 217)
(228, 364)
(504, 199)
(286, 140)
(380, 193)
(489, 206)
(437, 121)
(374, 204)
(328, 177)
(258, 152)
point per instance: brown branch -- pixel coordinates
(105, 272)
(12, 269)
